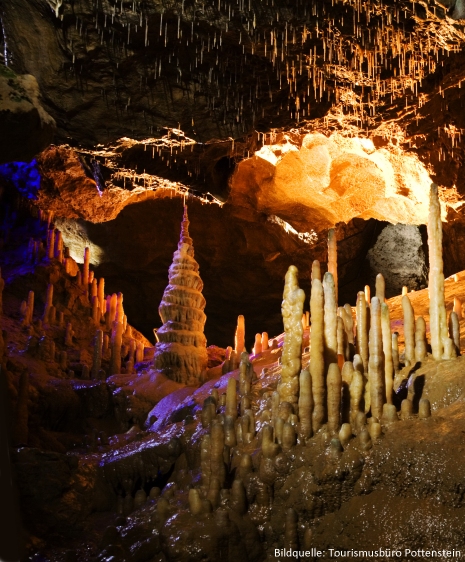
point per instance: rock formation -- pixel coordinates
(181, 352)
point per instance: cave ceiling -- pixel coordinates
(187, 91)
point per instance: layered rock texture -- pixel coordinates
(181, 352)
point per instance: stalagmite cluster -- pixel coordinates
(272, 442)
(181, 351)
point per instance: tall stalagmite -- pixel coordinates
(292, 309)
(437, 307)
(181, 353)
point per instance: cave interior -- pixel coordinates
(232, 268)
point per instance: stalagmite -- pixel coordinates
(424, 408)
(317, 364)
(345, 434)
(409, 331)
(342, 344)
(367, 294)
(332, 259)
(139, 352)
(51, 244)
(85, 271)
(245, 381)
(205, 460)
(330, 320)
(239, 337)
(101, 296)
(291, 540)
(292, 309)
(457, 306)
(69, 334)
(387, 350)
(238, 501)
(454, 330)
(231, 398)
(305, 404)
(346, 315)
(58, 246)
(119, 313)
(195, 503)
(97, 356)
(264, 341)
(347, 374)
(406, 409)
(389, 413)
(376, 361)
(437, 308)
(257, 348)
(110, 310)
(217, 465)
(420, 339)
(380, 288)
(289, 436)
(362, 330)
(95, 311)
(269, 448)
(27, 320)
(448, 349)
(181, 353)
(316, 270)
(116, 342)
(229, 432)
(334, 382)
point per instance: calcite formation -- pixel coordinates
(181, 352)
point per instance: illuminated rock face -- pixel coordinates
(314, 181)
(181, 353)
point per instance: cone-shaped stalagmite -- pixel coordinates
(181, 353)
(292, 309)
(437, 307)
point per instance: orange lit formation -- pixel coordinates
(181, 353)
